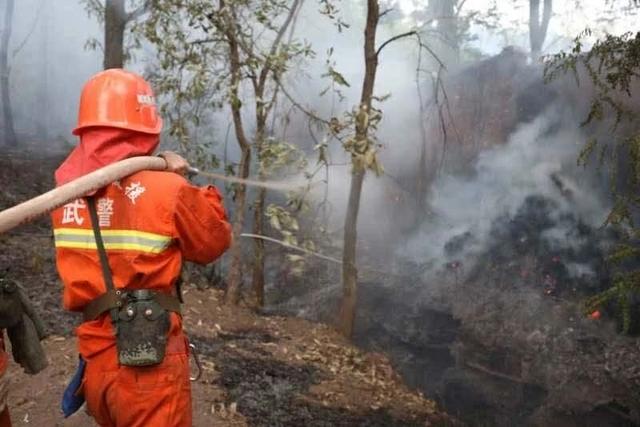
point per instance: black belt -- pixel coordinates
(116, 299)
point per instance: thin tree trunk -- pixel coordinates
(234, 276)
(447, 45)
(262, 112)
(422, 180)
(43, 90)
(537, 29)
(349, 270)
(7, 114)
(115, 21)
(258, 206)
(258, 261)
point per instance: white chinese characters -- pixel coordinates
(104, 210)
(134, 191)
(71, 212)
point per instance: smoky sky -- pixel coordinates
(51, 65)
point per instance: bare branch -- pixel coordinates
(276, 43)
(137, 13)
(394, 38)
(386, 11)
(421, 44)
(299, 106)
(30, 33)
(433, 54)
(459, 7)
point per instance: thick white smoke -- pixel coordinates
(539, 159)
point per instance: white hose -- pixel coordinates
(47, 202)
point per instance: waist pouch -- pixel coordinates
(142, 328)
(141, 321)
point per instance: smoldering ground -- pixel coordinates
(484, 291)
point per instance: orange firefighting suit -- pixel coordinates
(150, 223)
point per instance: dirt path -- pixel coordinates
(258, 371)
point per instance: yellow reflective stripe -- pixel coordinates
(113, 239)
(109, 246)
(89, 232)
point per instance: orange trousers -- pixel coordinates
(122, 396)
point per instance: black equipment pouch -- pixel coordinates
(143, 328)
(141, 318)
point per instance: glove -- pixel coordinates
(26, 347)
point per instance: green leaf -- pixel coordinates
(336, 77)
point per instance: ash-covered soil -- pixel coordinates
(257, 371)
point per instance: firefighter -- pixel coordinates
(134, 357)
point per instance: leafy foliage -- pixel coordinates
(612, 66)
(193, 59)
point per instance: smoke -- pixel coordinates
(49, 64)
(538, 159)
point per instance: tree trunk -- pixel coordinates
(7, 114)
(115, 21)
(447, 44)
(258, 259)
(349, 270)
(537, 29)
(258, 224)
(422, 182)
(234, 276)
(43, 90)
(262, 113)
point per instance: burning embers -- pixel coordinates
(541, 246)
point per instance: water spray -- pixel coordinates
(269, 185)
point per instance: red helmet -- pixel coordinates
(120, 99)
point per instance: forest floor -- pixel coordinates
(257, 370)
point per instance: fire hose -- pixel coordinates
(87, 184)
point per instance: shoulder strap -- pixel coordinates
(102, 253)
